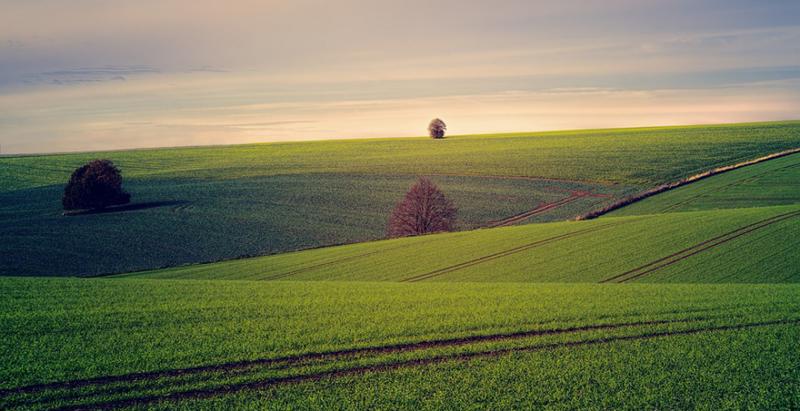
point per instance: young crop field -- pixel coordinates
(165, 344)
(206, 204)
(773, 182)
(737, 245)
(686, 300)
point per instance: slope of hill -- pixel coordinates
(773, 182)
(164, 344)
(738, 245)
(214, 203)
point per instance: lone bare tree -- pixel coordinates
(98, 184)
(436, 128)
(424, 209)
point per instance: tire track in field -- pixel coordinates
(698, 248)
(509, 252)
(332, 355)
(746, 179)
(361, 370)
(574, 196)
(334, 262)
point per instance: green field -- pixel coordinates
(740, 245)
(215, 203)
(686, 300)
(773, 182)
(132, 342)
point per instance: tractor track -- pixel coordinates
(698, 248)
(301, 358)
(508, 252)
(333, 262)
(574, 196)
(746, 179)
(361, 370)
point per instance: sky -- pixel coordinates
(109, 74)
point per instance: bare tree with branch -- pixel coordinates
(436, 128)
(424, 209)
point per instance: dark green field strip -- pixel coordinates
(698, 248)
(117, 397)
(180, 221)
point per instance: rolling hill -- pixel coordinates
(207, 204)
(501, 317)
(166, 344)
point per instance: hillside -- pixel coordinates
(215, 203)
(773, 182)
(738, 245)
(141, 344)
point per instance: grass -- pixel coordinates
(483, 319)
(58, 330)
(220, 203)
(224, 219)
(747, 245)
(753, 369)
(773, 182)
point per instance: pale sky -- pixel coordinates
(107, 74)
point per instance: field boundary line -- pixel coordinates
(698, 248)
(680, 183)
(361, 370)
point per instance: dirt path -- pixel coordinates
(698, 248)
(360, 370)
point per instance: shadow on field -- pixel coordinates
(127, 207)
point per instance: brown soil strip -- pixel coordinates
(698, 248)
(670, 186)
(508, 252)
(360, 370)
(330, 355)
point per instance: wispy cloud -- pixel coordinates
(95, 73)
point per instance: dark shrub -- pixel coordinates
(96, 185)
(423, 210)
(436, 128)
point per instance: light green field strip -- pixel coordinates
(68, 330)
(773, 182)
(737, 245)
(741, 369)
(634, 156)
